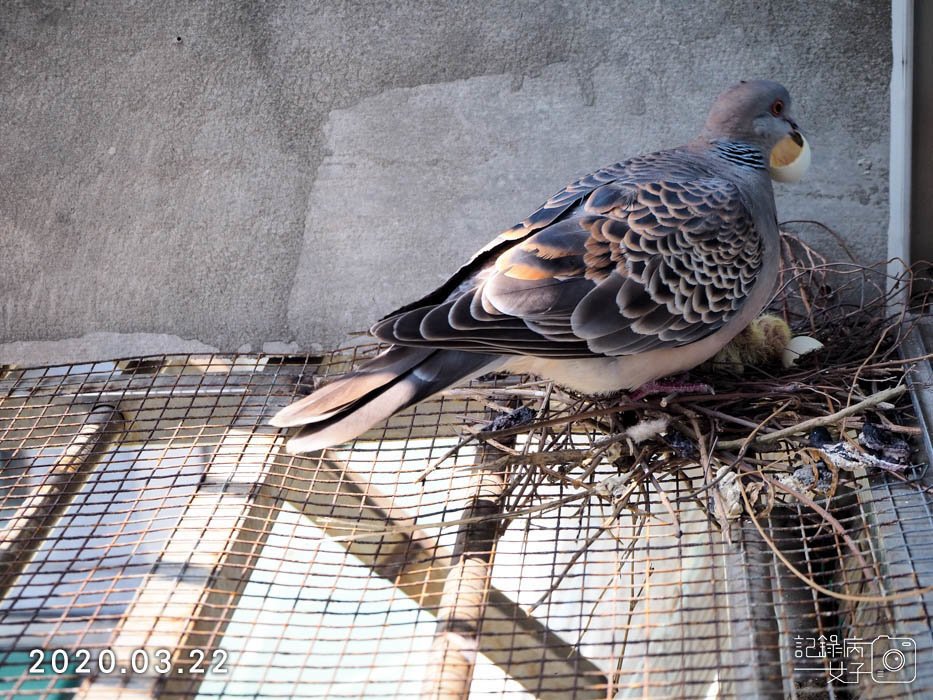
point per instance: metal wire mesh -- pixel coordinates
(158, 542)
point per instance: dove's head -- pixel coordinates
(758, 113)
(753, 111)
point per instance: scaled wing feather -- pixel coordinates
(615, 264)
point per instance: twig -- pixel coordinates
(440, 460)
(820, 421)
(827, 518)
(813, 584)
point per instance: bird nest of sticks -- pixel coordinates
(800, 435)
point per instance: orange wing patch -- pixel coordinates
(536, 259)
(519, 264)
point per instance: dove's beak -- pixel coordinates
(790, 158)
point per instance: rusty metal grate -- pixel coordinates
(150, 518)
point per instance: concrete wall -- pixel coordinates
(231, 175)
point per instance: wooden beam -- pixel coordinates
(45, 505)
(463, 603)
(346, 506)
(189, 595)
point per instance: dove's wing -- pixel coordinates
(608, 266)
(549, 212)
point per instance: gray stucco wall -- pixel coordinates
(232, 175)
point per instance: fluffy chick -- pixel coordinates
(762, 342)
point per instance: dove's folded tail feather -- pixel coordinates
(400, 377)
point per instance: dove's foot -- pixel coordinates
(671, 386)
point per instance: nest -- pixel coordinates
(770, 439)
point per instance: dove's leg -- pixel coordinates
(671, 386)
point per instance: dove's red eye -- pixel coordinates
(777, 108)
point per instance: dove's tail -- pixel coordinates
(398, 378)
